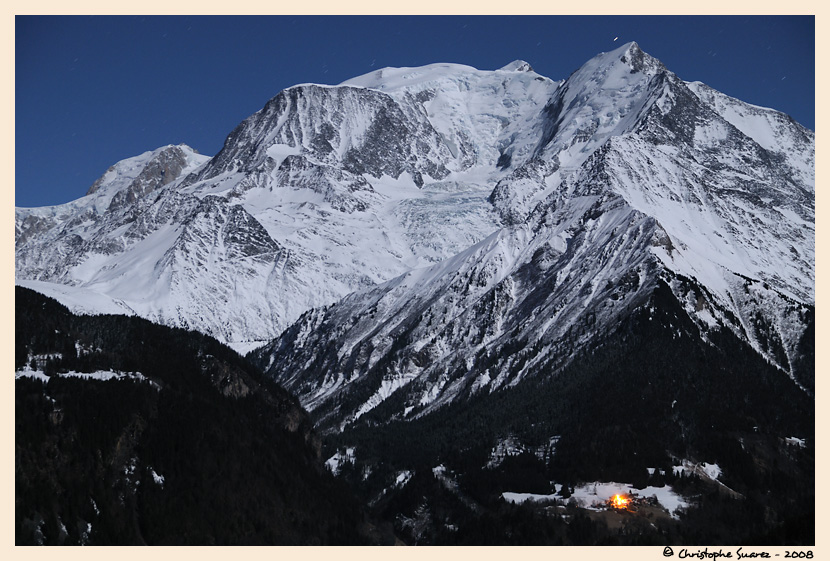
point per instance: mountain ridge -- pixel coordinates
(348, 192)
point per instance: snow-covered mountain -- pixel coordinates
(634, 180)
(461, 211)
(326, 190)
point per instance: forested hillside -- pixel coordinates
(185, 443)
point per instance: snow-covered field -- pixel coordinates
(593, 496)
(100, 375)
(339, 458)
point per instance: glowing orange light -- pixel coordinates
(620, 501)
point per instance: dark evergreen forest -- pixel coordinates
(239, 461)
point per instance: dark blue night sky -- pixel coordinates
(92, 90)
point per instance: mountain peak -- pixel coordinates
(632, 46)
(630, 58)
(134, 177)
(517, 66)
(395, 78)
(638, 60)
